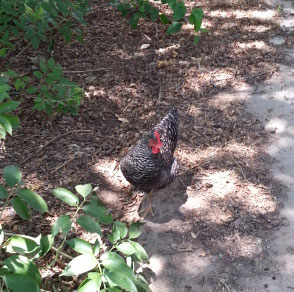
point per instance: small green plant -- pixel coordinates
(8, 122)
(280, 10)
(37, 21)
(54, 90)
(107, 265)
(138, 9)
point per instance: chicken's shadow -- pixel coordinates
(167, 202)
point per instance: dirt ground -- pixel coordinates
(212, 225)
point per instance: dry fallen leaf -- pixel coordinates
(161, 64)
(145, 46)
(121, 119)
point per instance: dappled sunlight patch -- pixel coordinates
(246, 246)
(191, 157)
(240, 150)
(278, 125)
(260, 45)
(95, 91)
(223, 183)
(109, 170)
(282, 143)
(239, 14)
(258, 200)
(158, 263)
(255, 28)
(193, 203)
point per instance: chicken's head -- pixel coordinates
(155, 144)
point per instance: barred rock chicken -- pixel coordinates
(150, 164)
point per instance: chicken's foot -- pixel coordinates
(149, 207)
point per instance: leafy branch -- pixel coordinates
(110, 267)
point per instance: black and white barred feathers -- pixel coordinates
(147, 171)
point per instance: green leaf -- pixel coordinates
(34, 200)
(126, 248)
(22, 265)
(12, 175)
(21, 283)
(38, 74)
(44, 88)
(96, 248)
(20, 208)
(4, 87)
(3, 192)
(8, 106)
(134, 19)
(5, 123)
(84, 190)
(46, 244)
(43, 66)
(179, 10)
(14, 120)
(80, 265)
(91, 283)
(80, 246)
(174, 27)
(2, 132)
(154, 13)
(196, 39)
(114, 262)
(134, 230)
(51, 63)
(66, 196)
(99, 212)
(63, 223)
(131, 247)
(195, 18)
(66, 32)
(122, 229)
(31, 90)
(18, 244)
(10, 73)
(171, 3)
(18, 84)
(121, 281)
(142, 285)
(2, 52)
(89, 224)
(35, 42)
(140, 251)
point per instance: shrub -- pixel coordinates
(111, 268)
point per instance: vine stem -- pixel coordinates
(21, 52)
(5, 205)
(58, 250)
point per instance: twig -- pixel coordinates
(52, 140)
(63, 164)
(19, 54)
(181, 181)
(86, 71)
(63, 253)
(222, 282)
(178, 251)
(241, 170)
(15, 45)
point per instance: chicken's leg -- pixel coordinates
(149, 207)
